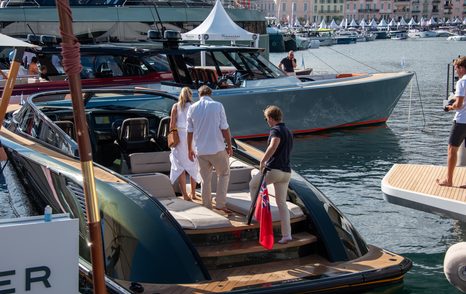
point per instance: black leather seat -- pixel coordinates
(162, 133)
(133, 136)
(67, 126)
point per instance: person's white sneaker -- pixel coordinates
(285, 240)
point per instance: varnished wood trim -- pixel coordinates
(253, 246)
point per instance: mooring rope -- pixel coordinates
(323, 62)
(420, 101)
(353, 59)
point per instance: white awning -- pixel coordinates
(220, 27)
(363, 23)
(392, 23)
(382, 23)
(7, 41)
(333, 25)
(373, 23)
(402, 22)
(323, 24)
(412, 22)
(353, 23)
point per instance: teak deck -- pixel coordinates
(415, 186)
(264, 275)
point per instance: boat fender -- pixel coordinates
(454, 266)
(461, 155)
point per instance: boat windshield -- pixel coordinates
(252, 63)
(157, 62)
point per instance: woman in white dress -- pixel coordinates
(180, 163)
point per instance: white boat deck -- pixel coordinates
(414, 186)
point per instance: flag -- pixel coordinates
(264, 217)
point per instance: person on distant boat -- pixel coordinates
(33, 68)
(208, 126)
(458, 130)
(44, 76)
(276, 161)
(288, 64)
(180, 163)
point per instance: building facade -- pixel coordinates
(291, 11)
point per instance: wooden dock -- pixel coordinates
(415, 186)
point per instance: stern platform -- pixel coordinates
(414, 186)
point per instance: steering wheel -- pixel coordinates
(234, 79)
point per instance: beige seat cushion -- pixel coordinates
(241, 202)
(191, 215)
(188, 214)
(150, 162)
(239, 178)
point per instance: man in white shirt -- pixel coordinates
(208, 126)
(458, 131)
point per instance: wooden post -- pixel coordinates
(72, 66)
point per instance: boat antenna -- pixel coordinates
(31, 29)
(159, 20)
(72, 66)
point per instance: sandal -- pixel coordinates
(193, 196)
(187, 198)
(225, 210)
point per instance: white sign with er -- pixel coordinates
(38, 257)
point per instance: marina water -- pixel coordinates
(348, 165)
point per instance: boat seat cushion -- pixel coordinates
(241, 202)
(189, 215)
(239, 178)
(150, 162)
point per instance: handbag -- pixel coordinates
(173, 138)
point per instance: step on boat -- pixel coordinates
(245, 83)
(156, 242)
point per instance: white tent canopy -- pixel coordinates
(220, 27)
(412, 22)
(392, 23)
(343, 23)
(373, 23)
(432, 21)
(457, 21)
(363, 23)
(333, 25)
(423, 22)
(382, 23)
(353, 23)
(323, 24)
(297, 23)
(7, 41)
(464, 21)
(402, 22)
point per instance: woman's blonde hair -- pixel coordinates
(185, 96)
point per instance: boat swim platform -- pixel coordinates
(415, 186)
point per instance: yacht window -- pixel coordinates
(108, 66)
(157, 62)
